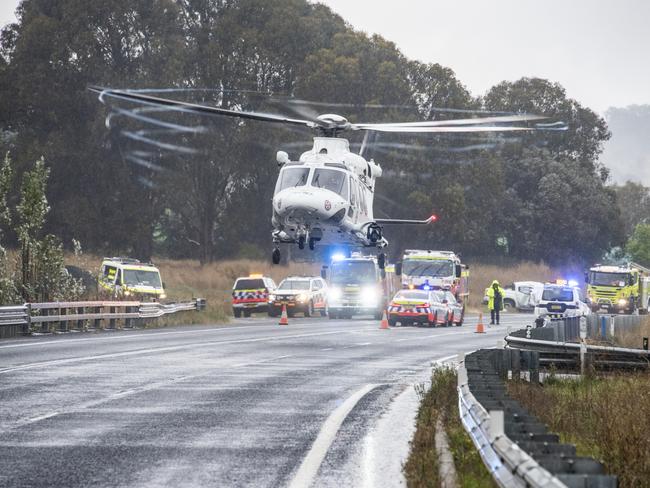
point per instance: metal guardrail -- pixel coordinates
(81, 316)
(515, 447)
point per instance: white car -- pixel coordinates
(560, 301)
(523, 295)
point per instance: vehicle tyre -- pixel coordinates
(332, 315)
(323, 313)
(312, 243)
(247, 313)
(392, 322)
(275, 256)
(301, 242)
(509, 306)
(309, 311)
(378, 315)
(273, 312)
(236, 312)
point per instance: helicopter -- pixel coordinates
(326, 196)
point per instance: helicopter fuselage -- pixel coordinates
(326, 197)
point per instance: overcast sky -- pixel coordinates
(599, 50)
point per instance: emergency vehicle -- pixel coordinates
(357, 286)
(434, 270)
(560, 300)
(129, 278)
(250, 294)
(426, 307)
(619, 288)
(302, 294)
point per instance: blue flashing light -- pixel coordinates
(338, 256)
(426, 287)
(573, 283)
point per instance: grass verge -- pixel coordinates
(441, 402)
(605, 417)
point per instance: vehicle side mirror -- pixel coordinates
(282, 158)
(323, 272)
(398, 268)
(164, 285)
(632, 280)
(459, 271)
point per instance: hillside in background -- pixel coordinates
(627, 153)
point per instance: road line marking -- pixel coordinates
(314, 458)
(136, 352)
(445, 359)
(328, 349)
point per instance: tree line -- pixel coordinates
(206, 194)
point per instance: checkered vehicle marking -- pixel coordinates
(258, 295)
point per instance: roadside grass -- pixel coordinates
(422, 466)
(606, 417)
(187, 279)
(632, 337)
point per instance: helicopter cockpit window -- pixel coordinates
(290, 177)
(331, 179)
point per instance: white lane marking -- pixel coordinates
(314, 458)
(445, 359)
(56, 362)
(327, 349)
(134, 391)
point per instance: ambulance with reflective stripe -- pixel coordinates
(250, 294)
(434, 270)
(129, 278)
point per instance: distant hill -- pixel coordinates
(627, 153)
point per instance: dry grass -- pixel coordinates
(632, 337)
(421, 467)
(607, 418)
(187, 279)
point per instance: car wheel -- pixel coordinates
(332, 316)
(323, 313)
(273, 312)
(236, 312)
(309, 310)
(508, 306)
(392, 322)
(379, 315)
(247, 313)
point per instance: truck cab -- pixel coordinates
(618, 289)
(129, 278)
(357, 286)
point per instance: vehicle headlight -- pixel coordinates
(163, 295)
(272, 298)
(127, 293)
(302, 297)
(335, 294)
(622, 301)
(369, 296)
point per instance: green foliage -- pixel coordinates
(638, 247)
(205, 205)
(634, 203)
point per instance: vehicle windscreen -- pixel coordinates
(290, 177)
(136, 277)
(332, 180)
(438, 296)
(557, 294)
(608, 279)
(353, 272)
(412, 295)
(249, 284)
(289, 285)
(427, 267)
(449, 296)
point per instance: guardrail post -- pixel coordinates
(80, 323)
(516, 364)
(28, 322)
(645, 343)
(603, 327)
(63, 323)
(534, 367)
(111, 321)
(98, 322)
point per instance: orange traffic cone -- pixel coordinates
(384, 322)
(284, 318)
(480, 329)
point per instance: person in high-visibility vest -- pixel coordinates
(495, 296)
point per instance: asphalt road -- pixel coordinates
(319, 402)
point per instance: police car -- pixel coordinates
(560, 300)
(300, 294)
(250, 294)
(129, 278)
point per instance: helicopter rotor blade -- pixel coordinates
(441, 130)
(455, 122)
(197, 108)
